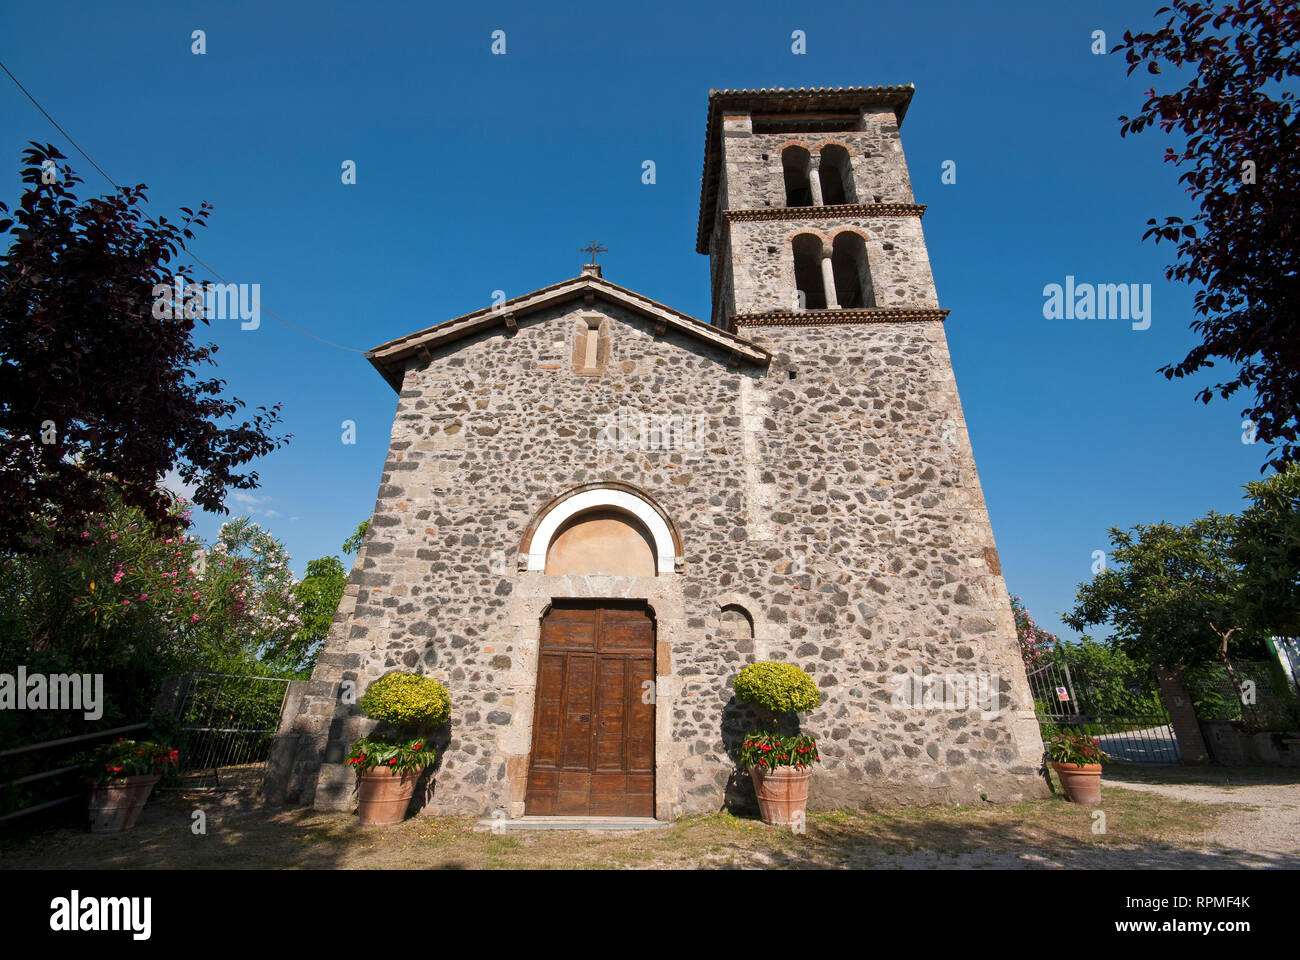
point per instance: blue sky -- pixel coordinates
(478, 172)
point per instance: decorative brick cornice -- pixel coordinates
(837, 211)
(826, 318)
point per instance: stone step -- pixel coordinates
(574, 823)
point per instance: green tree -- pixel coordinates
(1267, 548)
(1171, 594)
(1234, 131)
(353, 543)
(319, 594)
(1107, 680)
(100, 395)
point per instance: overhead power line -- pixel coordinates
(200, 262)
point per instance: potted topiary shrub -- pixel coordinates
(122, 775)
(1077, 759)
(779, 763)
(390, 760)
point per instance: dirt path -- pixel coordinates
(1264, 818)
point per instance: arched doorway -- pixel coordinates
(598, 602)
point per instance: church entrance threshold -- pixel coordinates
(593, 731)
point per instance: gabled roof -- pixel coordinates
(390, 358)
(779, 100)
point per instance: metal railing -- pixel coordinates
(227, 723)
(62, 771)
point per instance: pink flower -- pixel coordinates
(194, 619)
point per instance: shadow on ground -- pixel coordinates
(1145, 831)
(1207, 774)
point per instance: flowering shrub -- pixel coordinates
(126, 593)
(1076, 748)
(1036, 644)
(114, 762)
(369, 753)
(781, 687)
(120, 591)
(246, 592)
(765, 751)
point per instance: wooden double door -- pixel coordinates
(593, 723)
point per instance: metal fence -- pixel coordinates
(1122, 710)
(226, 724)
(62, 776)
(1267, 705)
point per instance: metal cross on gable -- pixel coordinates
(593, 250)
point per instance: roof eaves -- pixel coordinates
(390, 358)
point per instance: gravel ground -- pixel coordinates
(1261, 828)
(1265, 821)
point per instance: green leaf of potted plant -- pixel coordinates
(779, 764)
(122, 775)
(1077, 760)
(390, 760)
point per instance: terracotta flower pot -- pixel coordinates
(114, 807)
(384, 795)
(1082, 784)
(782, 793)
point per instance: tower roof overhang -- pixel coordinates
(390, 358)
(780, 100)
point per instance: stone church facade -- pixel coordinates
(596, 510)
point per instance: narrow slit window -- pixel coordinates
(591, 338)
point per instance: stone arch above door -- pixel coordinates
(602, 501)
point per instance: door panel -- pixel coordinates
(579, 694)
(593, 736)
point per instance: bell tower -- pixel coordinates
(807, 208)
(861, 490)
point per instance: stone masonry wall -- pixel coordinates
(763, 259)
(840, 507)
